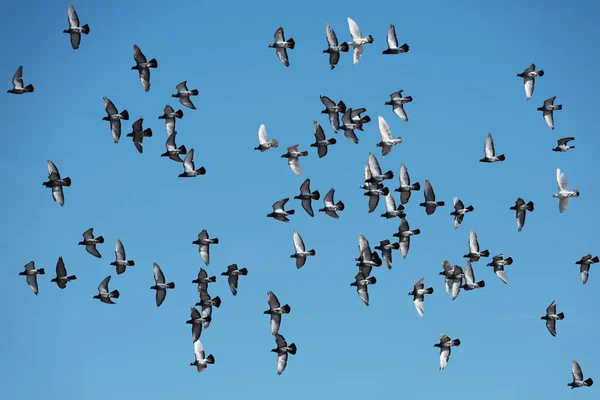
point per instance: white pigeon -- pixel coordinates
(357, 40)
(564, 194)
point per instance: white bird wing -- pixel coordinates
(198, 350)
(419, 305)
(520, 219)
(404, 246)
(576, 370)
(32, 282)
(294, 165)
(282, 55)
(444, 357)
(456, 283)
(328, 200)
(357, 53)
(262, 135)
(390, 204)
(384, 130)
(529, 83)
(374, 165)
(549, 118)
(473, 243)
(399, 111)
(561, 180)
(469, 275)
(282, 357)
(275, 323)
(363, 293)
(298, 243)
(501, 274)
(354, 30)
(188, 162)
(103, 287)
(563, 204)
(488, 148)
(119, 251)
(53, 173)
(392, 40)
(58, 195)
(17, 79)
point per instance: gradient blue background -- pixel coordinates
(460, 71)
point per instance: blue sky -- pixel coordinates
(460, 71)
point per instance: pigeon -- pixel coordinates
(459, 212)
(143, 66)
(189, 169)
(564, 194)
(31, 273)
(397, 102)
(430, 204)
(453, 278)
(56, 183)
(200, 362)
(405, 186)
(114, 117)
(281, 45)
(139, 134)
(584, 268)
(207, 303)
(333, 111)
(320, 142)
(276, 311)
(90, 243)
(551, 317)
(529, 79)
(184, 95)
(196, 320)
(386, 251)
(548, 111)
(173, 151)
(489, 151)
(232, 274)
(203, 280)
(390, 208)
(498, 262)
(204, 243)
(361, 283)
(562, 144)
(61, 274)
(306, 197)
(474, 253)
(331, 207)
(104, 295)
(279, 213)
(375, 169)
(387, 142)
(392, 43)
(282, 351)
(348, 126)
(373, 189)
(160, 285)
(333, 48)
(75, 30)
(169, 115)
(419, 293)
(120, 259)
(292, 155)
(358, 41)
(357, 119)
(578, 377)
(17, 82)
(404, 233)
(470, 283)
(300, 254)
(264, 143)
(367, 259)
(521, 209)
(445, 344)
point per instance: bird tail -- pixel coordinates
(595, 259)
(182, 149)
(244, 271)
(559, 107)
(540, 72)
(311, 252)
(388, 175)
(29, 88)
(481, 284)
(315, 195)
(344, 47)
(576, 192)
(416, 231)
(501, 157)
(153, 63)
(194, 92)
(201, 170)
(130, 263)
(385, 191)
(291, 43)
(212, 279)
(114, 294)
(274, 143)
(485, 253)
(440, 203)
(561, 316)
(340, 205)
(217, 301)
(372, 280)
(41, 271)
(429, 291)
(85, 29)
(171, 285)
(304, 153)
(589, 382)
(404, 48)
(292, 348)
(395, 246)
(365, 119)
(369, 39)
(67, 181)
(415, 186)
(470, 208)
(332, 141)
(291, 212)
(456, 342)
(529, 206)
(148, 132)
(341, 105)
(286, 309)
(71, 278)
(210, 359)
(214, 241)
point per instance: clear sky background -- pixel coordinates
(460, 71)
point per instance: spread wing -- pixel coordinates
(140, 58)
(363, 293)
(275, 323)
(198, 350)
(280, 204)
(529, 83)
(328, 200)
(160, 296)
(115, 129)
(357, 53)
(103, 287)
(549, 118)
(262, 135)
(188, 162)
(182, 87)
(354, 31)
(232, 279)
(32, 282)
(318, 131)
(119, 251)
(278, 36)
(159, 277)
(399, 111)
(298, 243)
(373, 203)
(61, 271)
(110, 107)
(294, 165)
(551, 326)
(145, 78)
(405, 246)
(273, 301)
(384, 130)
(332, 40)
(473, 243)
(444, 357)
(576, 371)
(429, 193)
(75, 40)
(17, 79)
(58, 195)
(404, 177)
(282, 55)
(282, 357)
(91, 248)
(488, 148)
(390, 204)
(374, 165)
(53, 173)
(72, 17)
(392, 40)
(561, 180)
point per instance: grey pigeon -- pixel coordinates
(578, 377)
(207, 303)
(367, 259)
(358, 41)
(200, 360)
(373, 189)
(405, 186)
(361, 282)
(17, 82)
(203, 280)
(114, 117)
(104, 295)
(292, 155)
(490, 152)
(278, 211)
(75, 30)
(121, 261)
(321, 142)
(160, 286)
(404, 233)
(301, 253)
(281, 45)
(333, 110)
(183, 94)
(521, 209)
(232, 275)
(31, 276)
(584, 266)
(333, 49)
(56, 183)
(61, 274)
(331, 207)
(375, 170)
(356, 118)
(391, 211)
(445, 344)
(453, 278)
(392, 43)
(90, 242)
(470, 283)
(264, 143)
(204, 243)
(189, 169)
(386, 251)
(418, 294)
(143, 66)
(397, 101)
(498, 262)
(348, 126)
(138, 134)
(282, 351)
(169, 115)
(430, 204)
(306, 197)
(459, 211)
(563, 144)
(564, 194)
(387, 142)
(548, 111)
(276, 311)
(173, 152)
(196, 320)
(551, 317)
(474, 253)
(529, 76)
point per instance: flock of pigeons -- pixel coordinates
(456, 277)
